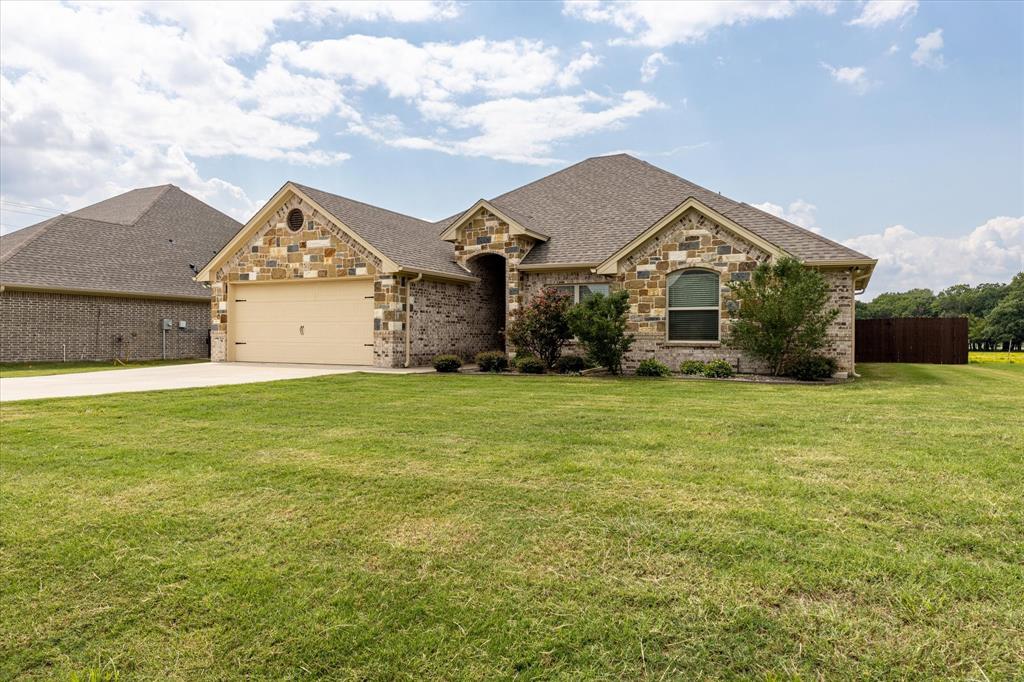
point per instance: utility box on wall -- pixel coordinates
(166, 324)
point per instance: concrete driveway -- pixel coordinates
(171, 376)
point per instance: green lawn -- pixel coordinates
(482, 527)
(9, 370)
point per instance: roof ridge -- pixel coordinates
(43, 227)
(546, 177)
(166, 188)
(362, 203)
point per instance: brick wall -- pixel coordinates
(39, 326)
(464, 319)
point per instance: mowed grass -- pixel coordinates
(1013, 358)
(10, 370)
(483, 527)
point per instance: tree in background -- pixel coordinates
(1005, 324)
(599, 322)
(541, 327)
(783, 315)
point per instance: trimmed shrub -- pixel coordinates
(692, 367)
(812, 368)
(571, 364)
(447, 363)
(652, 368)
(492, 361)
(599, 323)
(541, 327)
(718, 369)
(783, 313)
(529, 364)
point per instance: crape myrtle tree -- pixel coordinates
(783, 316)
(541, 327)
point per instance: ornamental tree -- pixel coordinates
(783, 314)
(541, 327)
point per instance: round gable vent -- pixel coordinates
(295, 220)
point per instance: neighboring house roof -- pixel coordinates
(143, 242)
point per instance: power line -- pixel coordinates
(23, 204)
(37, 215)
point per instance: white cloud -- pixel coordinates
(993, 252)
(878, 12)
(854, 77)
(649, 69)
(893, 49)
(105, 97)
(658, 24)
(799, 212)
(570, 75)
(521, 123)
(929, 50)
(526, 130)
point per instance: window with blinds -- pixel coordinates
(693, 305)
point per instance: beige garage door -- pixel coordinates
(311, 322)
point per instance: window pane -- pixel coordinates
(693, 325)
(588, 290)
(567, 289)
(693, 289)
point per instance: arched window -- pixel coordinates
(693, 305)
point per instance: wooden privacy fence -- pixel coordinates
(935, 340)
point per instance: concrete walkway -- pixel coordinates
(171, 376)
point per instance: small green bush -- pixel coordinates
(812, 368)
(718, 369)
(570, 364)
(692, 367)
(529, 364)
(447, 363)
(652, 368)
(492, 361)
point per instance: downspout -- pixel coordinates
(408, 317)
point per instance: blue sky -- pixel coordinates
(896, 127)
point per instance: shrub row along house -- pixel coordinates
(112, 280)
(315, 277)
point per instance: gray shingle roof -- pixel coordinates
(597, 206)
(140, 242)
(410, 242)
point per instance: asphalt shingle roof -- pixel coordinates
(597, 206)
(410, 242)
(140, 242)
(589, 210)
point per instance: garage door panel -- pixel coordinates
(321, 322)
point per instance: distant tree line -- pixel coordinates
(995, 311)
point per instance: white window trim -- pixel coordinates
(576, 288)
(718, 308)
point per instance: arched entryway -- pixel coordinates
(489, 301)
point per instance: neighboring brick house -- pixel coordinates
(315, 277)
(97, 284)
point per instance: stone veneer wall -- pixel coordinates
(486, 233)
(38, 326)
(318, 251)
(697, 241)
